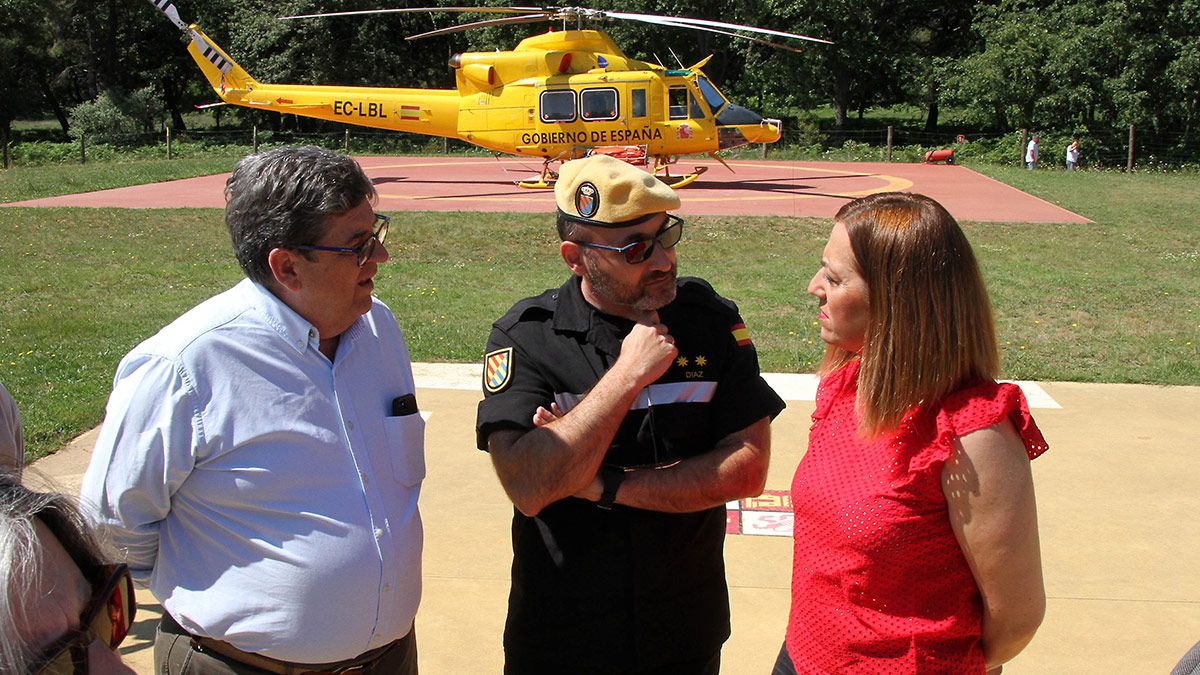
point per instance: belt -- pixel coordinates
(228, 651)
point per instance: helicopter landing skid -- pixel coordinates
(545, 181)
(680, 181)
(538, 182)
(662, 171)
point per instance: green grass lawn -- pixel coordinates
(1113, 301)
(33, 182)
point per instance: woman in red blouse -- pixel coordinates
(916, 543)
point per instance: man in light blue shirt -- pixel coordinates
(262, 455)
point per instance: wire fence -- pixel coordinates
(1129, 148)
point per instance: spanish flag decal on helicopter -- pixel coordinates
(497, 369)
(741, 334)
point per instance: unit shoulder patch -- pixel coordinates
(497, 369)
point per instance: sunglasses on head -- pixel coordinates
(107, 618)
(362, 253)
(638, 251)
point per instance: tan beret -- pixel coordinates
(601, 190)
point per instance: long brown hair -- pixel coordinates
(929, 326)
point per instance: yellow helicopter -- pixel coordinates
(558, 96)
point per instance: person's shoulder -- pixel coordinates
(194, 325)
(696, 292)
(381, 317)
(380, 309)
(535, 308)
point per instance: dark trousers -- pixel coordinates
(783, 664)
(175, 655)
(705, 665)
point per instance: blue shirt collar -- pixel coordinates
(293, 328)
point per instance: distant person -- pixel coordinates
(1073, 154)
(622, 411)
(261, 456)
(916, 541)
(1031, 154)
(12, 435)
(66, 608)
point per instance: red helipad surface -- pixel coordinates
(758, 188)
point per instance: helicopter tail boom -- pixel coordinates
(432, 112)
(425, 111)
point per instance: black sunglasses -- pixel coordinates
(361, 253)
(638, 251)
(107, 617)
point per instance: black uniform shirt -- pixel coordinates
(605, 591)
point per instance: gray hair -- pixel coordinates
(283, 198)
(20, 564)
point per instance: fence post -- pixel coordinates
(889, 143)
(445, 145)
(346, 142)
(168, 143)
(763, 150)
(1024, 144)
(1129, 162)
(83, 148)
(254, 137)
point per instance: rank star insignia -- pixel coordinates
(701, 361)
(682, 362)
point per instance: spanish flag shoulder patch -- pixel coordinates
(741, 334)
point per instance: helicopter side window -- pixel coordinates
(598, 104)
(639, 102)
(697, 111)
(677, 100)
(558, 105)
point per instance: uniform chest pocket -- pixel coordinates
(406, 447)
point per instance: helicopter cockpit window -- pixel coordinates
(639, 102)
(712, 97)
(598, 104)
(558, 106)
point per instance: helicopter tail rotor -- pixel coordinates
(221, 71)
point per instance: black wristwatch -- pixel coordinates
(610, 477)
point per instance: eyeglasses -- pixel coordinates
(107, 618)
(362, 253)
(638, 251)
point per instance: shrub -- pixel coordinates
(113, 118)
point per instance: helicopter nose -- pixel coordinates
(768, 131)
(765, 131)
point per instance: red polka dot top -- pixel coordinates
(879, 583)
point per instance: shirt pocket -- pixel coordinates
(406, 447)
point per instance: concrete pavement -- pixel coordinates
(1118, 508)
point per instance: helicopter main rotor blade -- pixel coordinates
(751, 38)
(704, 24)
(409, 10)
(528, 18)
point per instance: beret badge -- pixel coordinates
(587, 199)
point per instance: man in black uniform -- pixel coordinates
(621, 411)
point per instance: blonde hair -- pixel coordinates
(929, 322)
